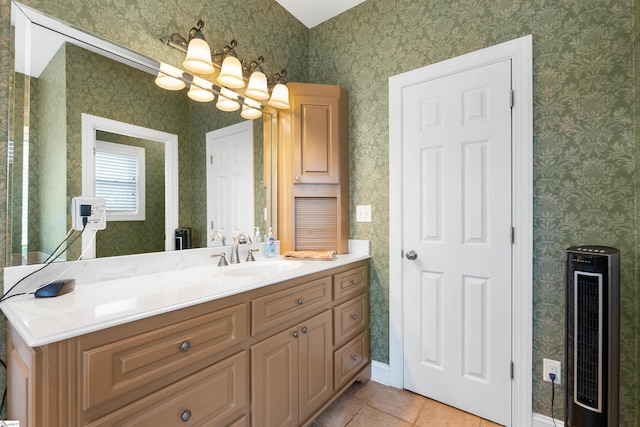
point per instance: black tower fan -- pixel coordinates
(593, 336)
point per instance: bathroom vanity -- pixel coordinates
(270, 343)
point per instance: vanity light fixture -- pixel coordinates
(234, 74)
(198, 59)
(251, 109)
(227, 100)
(258, 87)
(280, 94)
(201, 90)
(231, 71)
(169, 78)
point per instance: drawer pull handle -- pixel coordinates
(304, 329)
(354, 316)
(354, 357)
(300, 301)
(353, 281)
(185, 346)
(185, 416)
(295, 334)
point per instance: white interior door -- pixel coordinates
(457, 219)
(230, 192)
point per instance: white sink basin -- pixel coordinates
(262, 268)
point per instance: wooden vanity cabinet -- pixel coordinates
(313, 169)
(274, 356)
(292, 373)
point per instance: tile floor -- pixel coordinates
(373, 405)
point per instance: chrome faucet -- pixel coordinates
(235, 259)
(219, 234)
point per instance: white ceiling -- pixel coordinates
(314, 12)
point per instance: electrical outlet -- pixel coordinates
(92, 208)
(551, 367)
(363, 213)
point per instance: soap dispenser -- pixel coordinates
(270, 246)
(257, 237)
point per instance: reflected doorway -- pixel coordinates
(230, 182)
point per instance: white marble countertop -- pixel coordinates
(100, 305)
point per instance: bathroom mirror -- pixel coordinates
(83, 74)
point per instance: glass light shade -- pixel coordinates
(197, 91)
(198, 57)
(251, 109)
(168, 78)
(280, 97)
(257, 87)
(227, 100)
(231, 73)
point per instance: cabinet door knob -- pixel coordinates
(354, 357)
(304, 330)
(354, 316)
(295, 334)
(185, 346)
(297, 178)
(185, 416)
(354, 281)
(300, 301)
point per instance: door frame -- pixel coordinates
(91, 124)
(244, 128)
(520, 52)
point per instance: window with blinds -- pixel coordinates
(120, 179)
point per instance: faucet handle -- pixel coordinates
(250, 255)
(223, 259)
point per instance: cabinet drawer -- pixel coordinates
(114, 369)
(270, 310)
(205, 398)
(350, 282)
(350, 358)
(350, 317)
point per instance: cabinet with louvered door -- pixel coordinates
(313, 212)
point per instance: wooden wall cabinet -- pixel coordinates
(313, 169)
(273, 356)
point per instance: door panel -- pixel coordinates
(457, 218)
(230, 192)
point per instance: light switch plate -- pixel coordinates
(363, 213)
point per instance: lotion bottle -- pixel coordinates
(257, 237)
(270, 246)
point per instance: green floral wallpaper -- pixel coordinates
(584, 112)
(584, 116)
(106, 88)
(48, 153)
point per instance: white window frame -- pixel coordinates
(139, 154)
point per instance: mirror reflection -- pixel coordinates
(55, 82)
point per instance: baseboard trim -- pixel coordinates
(539, 420)
(380, 372)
